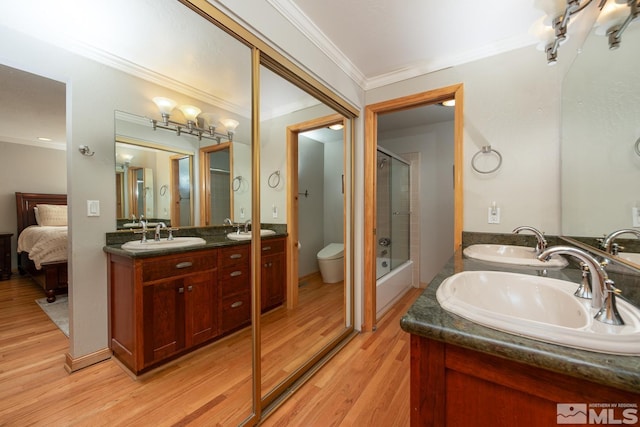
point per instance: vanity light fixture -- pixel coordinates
(559, 20)
(191, 114)
(615, 18)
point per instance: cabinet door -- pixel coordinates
(163, 309)
(273, 281)
(201, 311)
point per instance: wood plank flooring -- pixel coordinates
(367, 383)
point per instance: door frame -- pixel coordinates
(370, 146)
(293, 197)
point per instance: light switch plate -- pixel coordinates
(635, 217)
(93, 207)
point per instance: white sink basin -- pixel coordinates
(152, 245)
(536, 307)
(247, 236)
(513, 255)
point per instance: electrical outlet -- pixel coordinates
(635, 215)
(275, 211)
(493, 215)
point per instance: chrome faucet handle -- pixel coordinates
(609, 312)
(584, 290)
(171, 230)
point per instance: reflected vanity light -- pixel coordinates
(191, 113)
(615, 18)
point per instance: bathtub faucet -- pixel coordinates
(602, 288)
(542, 242)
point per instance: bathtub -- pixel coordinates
(393, 285)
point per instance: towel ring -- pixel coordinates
(239, 180)
(163, 189)
(276, 179)
(486, 150)
(637, 147)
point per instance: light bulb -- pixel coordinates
(230, 124)
(165, 105)
(190, 112)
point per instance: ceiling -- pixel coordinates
(375, 41)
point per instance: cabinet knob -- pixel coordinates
(190, 288)
(185, 264)
(181, 290)
(236, 304)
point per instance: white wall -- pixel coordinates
(511, 102)
(27, 169)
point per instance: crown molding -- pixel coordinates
(310, 30)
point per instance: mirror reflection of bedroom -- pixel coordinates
(33, 212)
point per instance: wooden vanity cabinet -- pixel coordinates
(455, 386)
(273, 275)
(234, 266)
(162, 306)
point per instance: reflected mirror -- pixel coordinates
(302, 156)
(600, 142)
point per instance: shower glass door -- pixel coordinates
(393, 213)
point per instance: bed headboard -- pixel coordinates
(25, 202)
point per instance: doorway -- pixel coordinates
(454, 92)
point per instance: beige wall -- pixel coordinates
(27, 169)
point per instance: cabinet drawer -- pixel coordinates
(234, 279)
(233, 255)
(274, 246)
(164, 267)
(236, 311)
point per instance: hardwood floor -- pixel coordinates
(367, 383)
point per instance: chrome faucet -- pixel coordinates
(542, 242)
(602, 288)
(246, 225)
(156, 236)
(612, 248)
(227, 221)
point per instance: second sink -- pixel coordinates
(153, 245)
(247, 235)
(513, 255)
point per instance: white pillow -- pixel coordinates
(51, 215)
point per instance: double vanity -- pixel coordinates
(169, 297)
(504, 341)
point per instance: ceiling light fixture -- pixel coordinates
(337, 126)
(191, 114)
(448, 103)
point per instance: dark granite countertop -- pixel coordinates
(215, 237)
(428, 319)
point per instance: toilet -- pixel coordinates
(331, 262)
